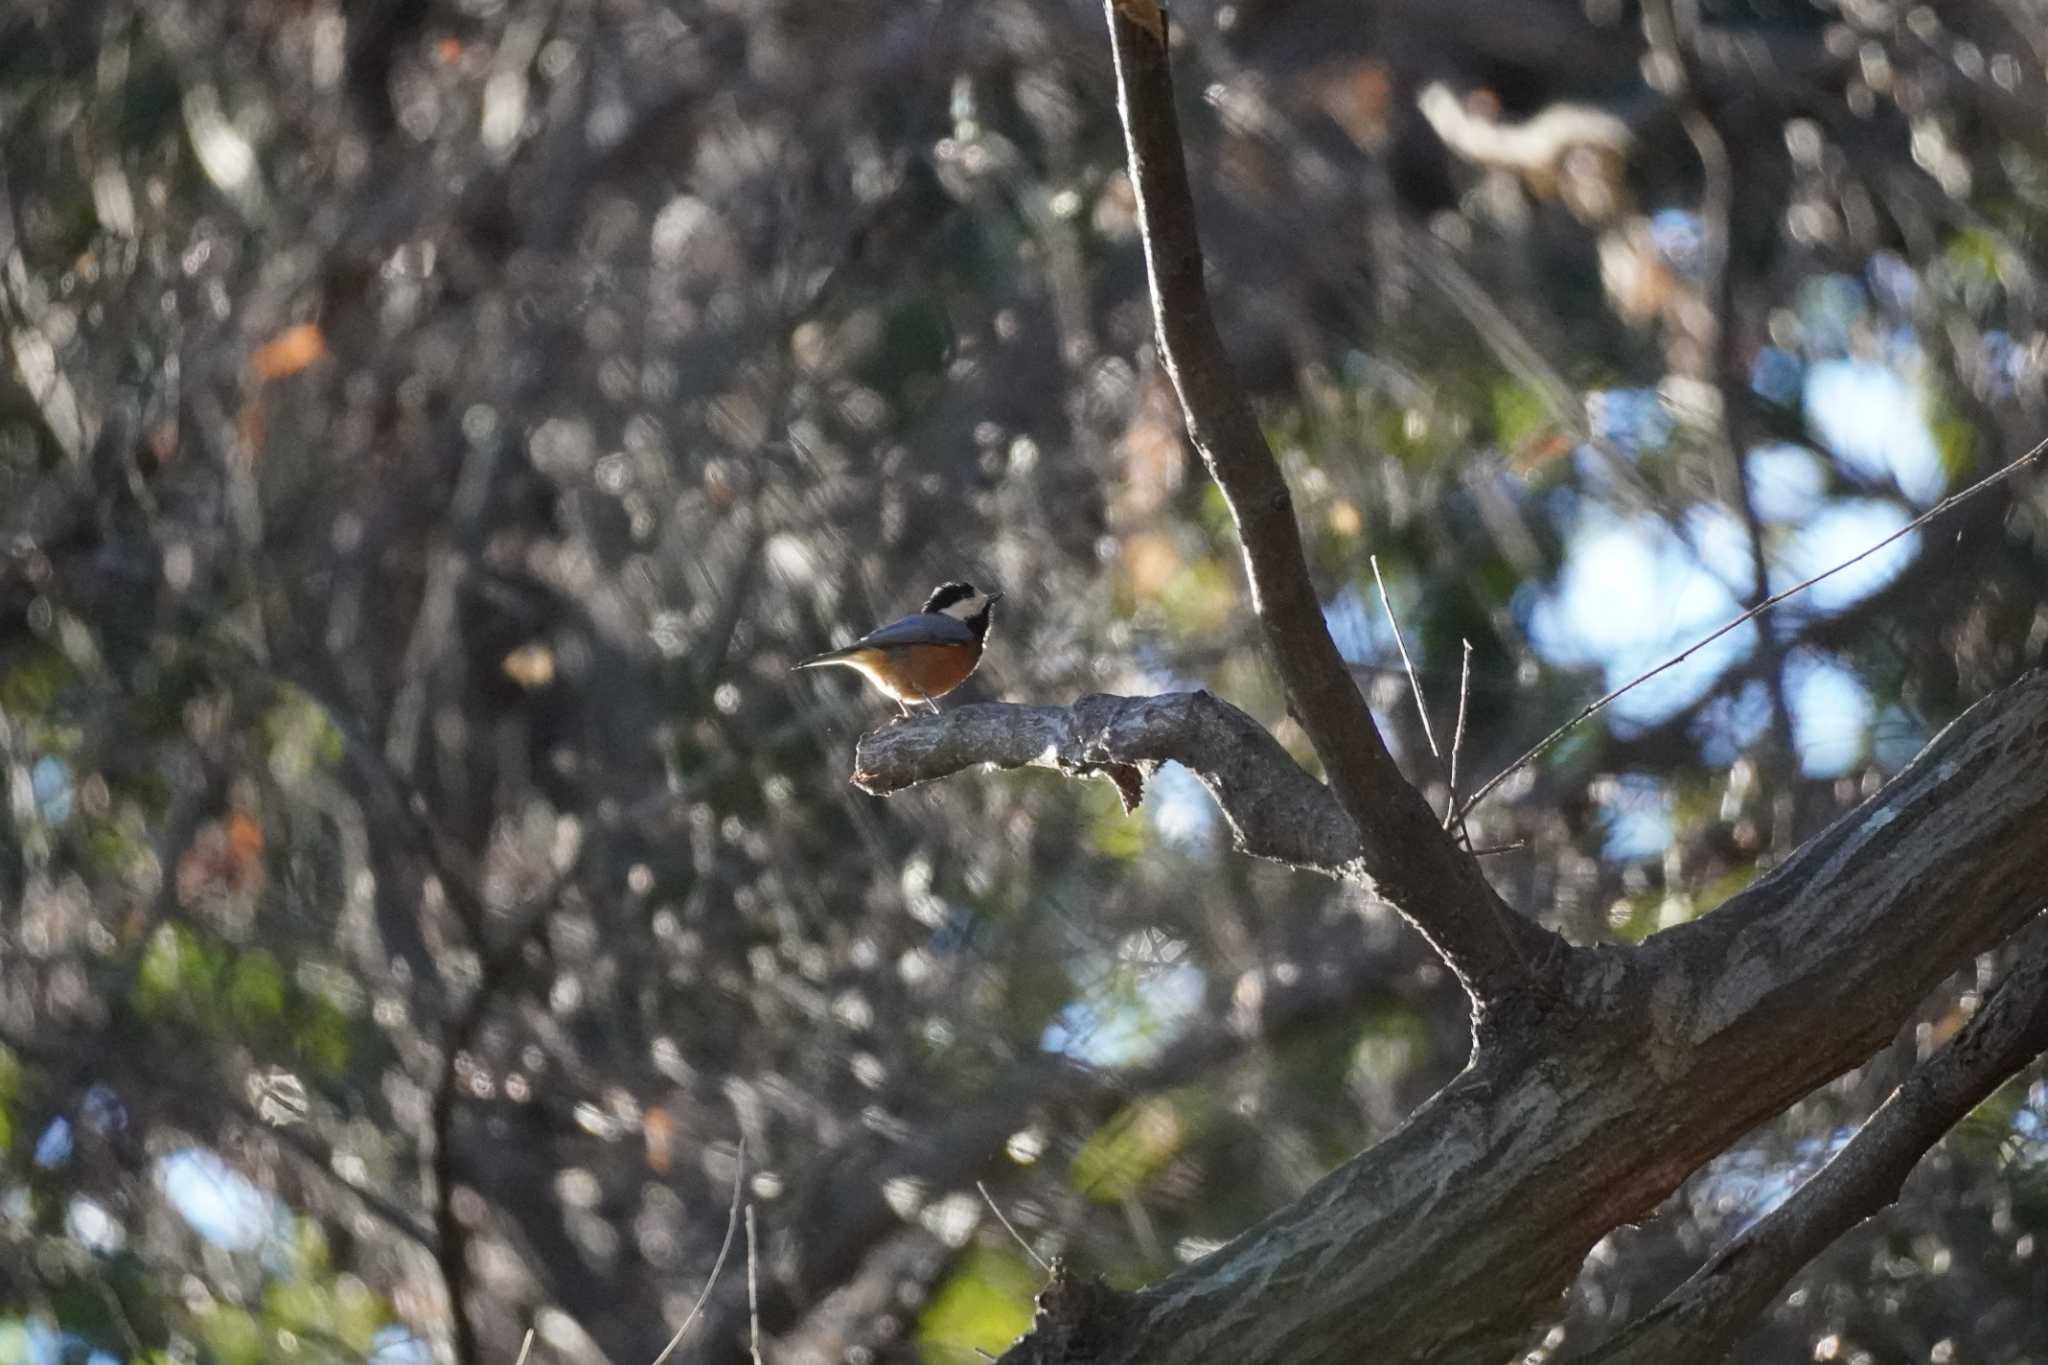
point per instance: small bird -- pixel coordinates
(925, 656)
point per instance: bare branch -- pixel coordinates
(753, 1295)
(1415, 864)
(451, 1236)
(1953, 500)
(1701, 1319)
(1400, 643)
(1458, 735)
(1479, 1210)
(1275, 809)
(732, 1222)
(1009, 1227)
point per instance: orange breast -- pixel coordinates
(915, 673)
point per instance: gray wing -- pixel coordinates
(925, 628)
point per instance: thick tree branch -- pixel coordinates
(1709, 1313)
(1476, 1214)
(1415, 865)
(1275, 809)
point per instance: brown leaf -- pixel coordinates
(288, 352)
(225, 853)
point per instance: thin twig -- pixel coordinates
(1951, 501)
(753, 1295)
(732, 1223)
(1458, 735)
(996, 1209)
(1414, 683)
(525, 1346)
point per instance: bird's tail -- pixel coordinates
(829, 657)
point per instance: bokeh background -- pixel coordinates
(431, 428)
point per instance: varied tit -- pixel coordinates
(922, 657)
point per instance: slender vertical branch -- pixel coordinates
(1400, 643)
(451, 1236)
(732, 1223)
(1414, 863)
(753, 1295)
(1672, 28)
(1458, 735)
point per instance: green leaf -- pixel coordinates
(322, 1035)
(231, 1334)
(28, 689)
(1955, 439)
(359, 1313)
(299, 736)
(1126, 1154)
(180, 975)
(302, 1305)
(985, 1303)
(256, 993)
(1519, 412)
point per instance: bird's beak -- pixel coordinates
(995, 597)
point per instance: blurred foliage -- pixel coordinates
(1129, 1152)
(983, 1305)
(430, 430)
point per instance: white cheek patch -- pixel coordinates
(967, 608)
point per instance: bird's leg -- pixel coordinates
(929, 702)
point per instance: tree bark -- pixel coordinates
(1275, 810)
(1450, 1240)
(1618, 1070)
(1412, 861)
(1705, 1316)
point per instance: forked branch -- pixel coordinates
(1413, 862)
(1701, 1319)
(1450, 1238)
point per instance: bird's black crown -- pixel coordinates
(946, 594)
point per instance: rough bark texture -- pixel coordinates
(1600, 1078)
(1450, 1239)
(1709, 1313)
(1275, 809)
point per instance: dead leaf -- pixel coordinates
(288, 352)
(659, 1130)
(225, 853)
